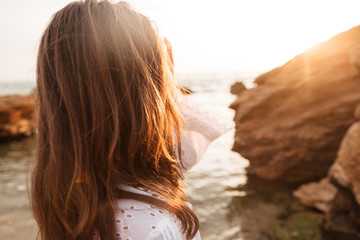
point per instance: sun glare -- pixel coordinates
(247, 35)
(208, 36)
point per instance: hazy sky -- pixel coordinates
(207, 35)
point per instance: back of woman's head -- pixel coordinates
(107, 116)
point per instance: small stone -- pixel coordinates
(316, 194)
(237, 88)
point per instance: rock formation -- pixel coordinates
(16, 116)
(342, 220)
(291, 124)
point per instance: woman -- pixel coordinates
(108, 123)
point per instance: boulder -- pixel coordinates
(16, 116)
(342, 221)
(291, 124)
(346, 169)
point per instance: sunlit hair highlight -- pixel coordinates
(106, 116)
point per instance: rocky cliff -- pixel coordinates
(290, 125)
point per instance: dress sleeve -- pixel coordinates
(202, 126)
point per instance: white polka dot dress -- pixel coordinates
(136, 220)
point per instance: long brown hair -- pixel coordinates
(106, 116)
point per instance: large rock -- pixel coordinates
(346, 169)
(342, 221)
(16, 116)
(290, 125)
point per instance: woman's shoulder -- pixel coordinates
(137, 220)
